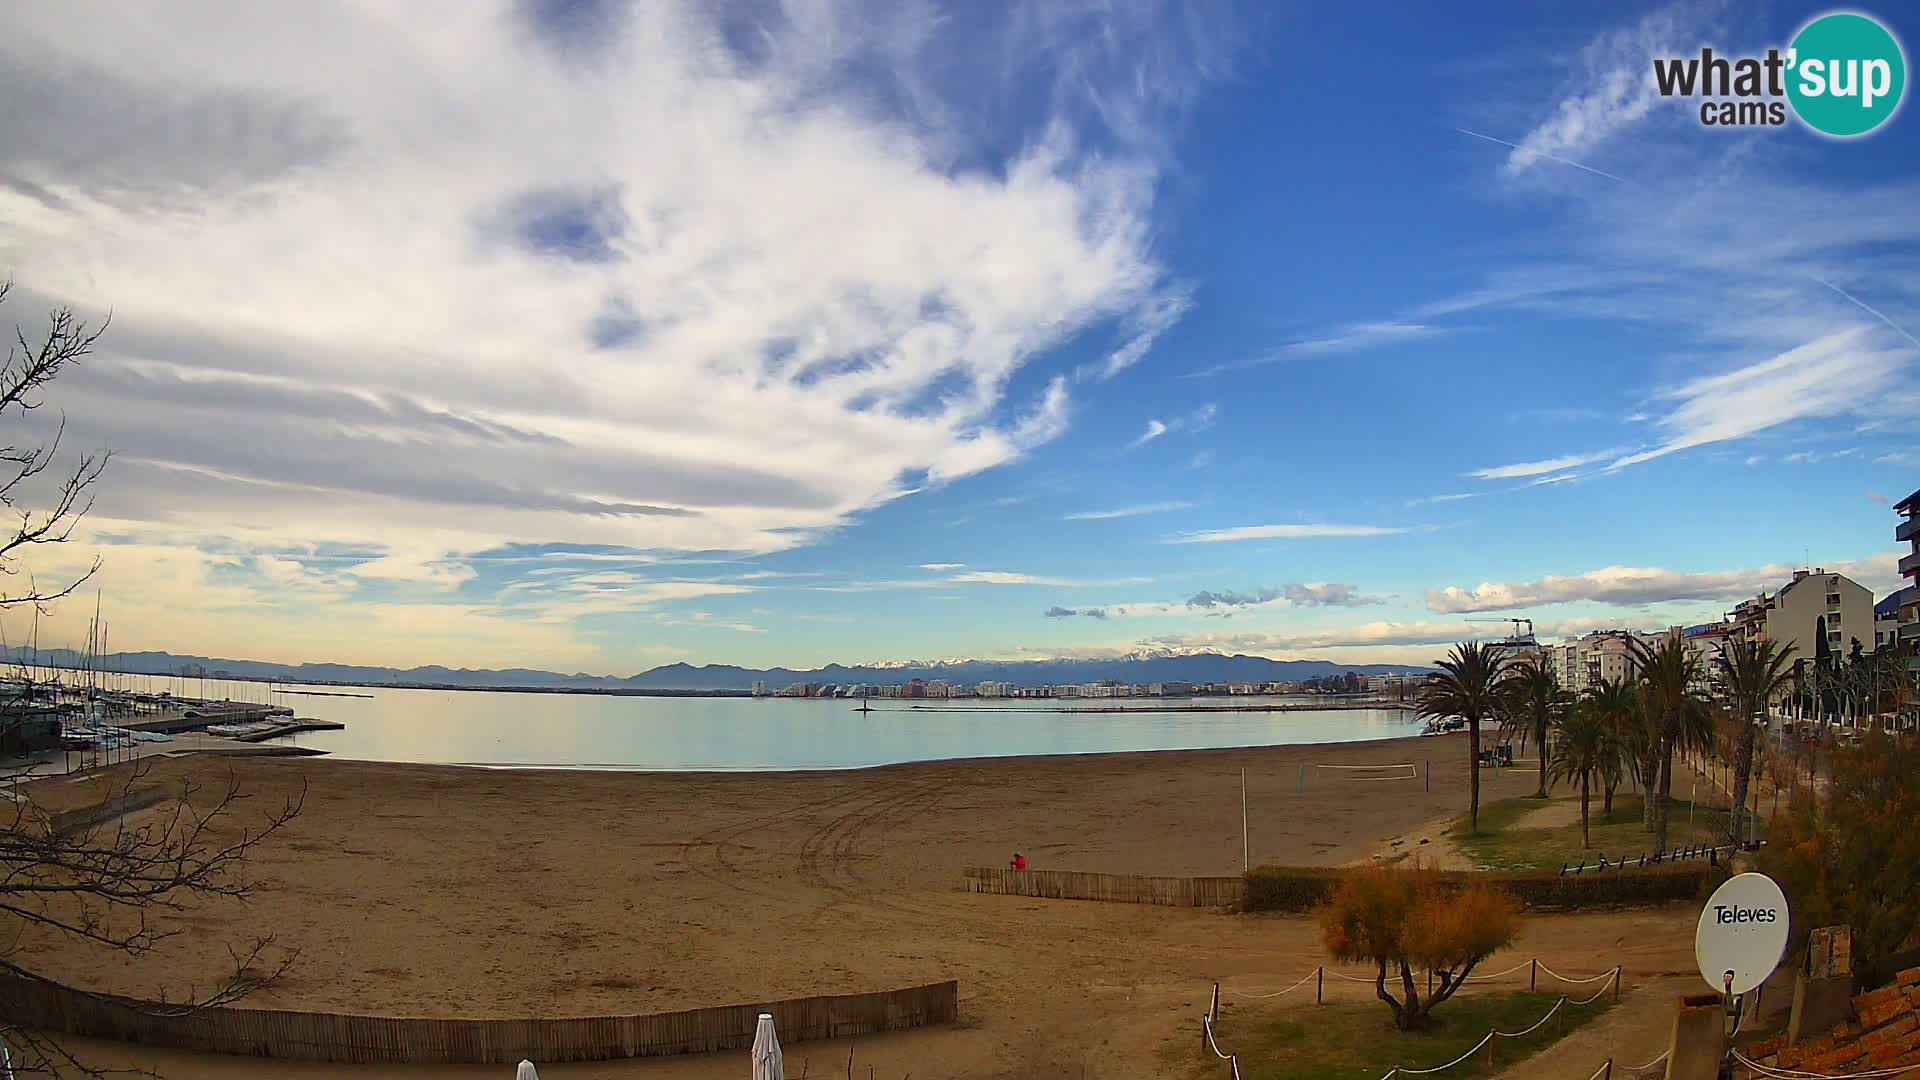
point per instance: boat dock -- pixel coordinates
(262, 730)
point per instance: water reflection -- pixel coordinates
(594, 732)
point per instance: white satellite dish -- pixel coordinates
(1742, 933)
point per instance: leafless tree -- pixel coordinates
(32, 363)
(102, 874)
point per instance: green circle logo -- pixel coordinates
(1846, 75)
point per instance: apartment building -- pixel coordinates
(1814, 607)
(1597, 657)
(1908, 532)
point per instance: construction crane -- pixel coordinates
(1517, 635)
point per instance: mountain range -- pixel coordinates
(1194, 667)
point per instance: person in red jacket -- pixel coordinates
(1019, 861)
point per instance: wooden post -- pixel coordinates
(1246, 858)
(1320, 985)
(1533, 975)
(1429, 774)
(1204, 1041)
(1616, 984)
(1213, 1010)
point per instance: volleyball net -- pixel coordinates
(1402, 771)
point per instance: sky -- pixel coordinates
(594, 336)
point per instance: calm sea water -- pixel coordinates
(578, 731)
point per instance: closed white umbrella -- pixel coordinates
(526, 1071)
(767, 1062)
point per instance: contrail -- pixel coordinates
(1544, 154)
(1857, 302)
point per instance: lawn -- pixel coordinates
(1506, 842)
(1357, 1041)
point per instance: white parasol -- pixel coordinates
(767, 1062)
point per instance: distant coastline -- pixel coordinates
(1331, 701)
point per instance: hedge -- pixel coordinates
(1298, 889)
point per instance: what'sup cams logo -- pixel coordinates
(1844, 75)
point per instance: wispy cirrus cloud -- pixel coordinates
(1611, 87)
(1155, 429)
(1351, 337)
(1280, 532)
(1540, 468)
(1429, 500)
(1001, 577)
(1129, 511)
(1832, 375)
(1200, 419)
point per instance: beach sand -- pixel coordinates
(437, 891)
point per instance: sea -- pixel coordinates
(506, 729)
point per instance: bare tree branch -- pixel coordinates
(31, 364)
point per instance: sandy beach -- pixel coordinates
(414, 890)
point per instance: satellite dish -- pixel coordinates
(1742, 933)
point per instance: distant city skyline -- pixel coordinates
(596, 336)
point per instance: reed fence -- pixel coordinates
(1203, 892)
(387, 1040)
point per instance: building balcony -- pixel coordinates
(1910, 631)
(1907, 530)
(1910, 565)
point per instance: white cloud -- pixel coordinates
(1613, 88)
(941, 567)
(1155, 429)
(1199, 419)
(1541, 468)
(1129, 511)
(1144, 327)
(1280, 532)
(1351, 337)
(1833, 374)
(1427, 500)
(448, 298)
(1001, 577)
(1632, 586)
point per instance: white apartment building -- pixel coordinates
(1597, 657)
(1812, 606)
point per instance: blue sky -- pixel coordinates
(597, 336)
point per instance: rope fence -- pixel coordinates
(1487, 1039)
(1794, 1074)
(1319, 974)
(1232, 1060)
(1609, 980)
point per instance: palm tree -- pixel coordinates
(1750, 675)
(1617, 704)
(1582, 746)
(1534, 700)
(1468, 686)
(1678, 717)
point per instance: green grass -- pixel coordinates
(1505, 842)
(1357, 1040)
